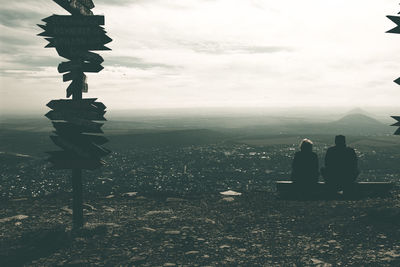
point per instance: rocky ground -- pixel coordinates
(253, 229)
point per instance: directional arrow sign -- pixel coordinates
(83, 126)
(100, 105)
(394, 30)
(88, 104)
(90, 126)
(397, 118)
(74, 20)
(74, 7)
(84, 150)
(87, 43)
(79, 66)
(67, 115)
(64, 144)
(92, 67)
(75, 54)
(69, 66)
(92, 47)
(396, 20)
(73, 75)
(67, 127)
(63, 31)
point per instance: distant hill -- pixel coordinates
(350, 124)
(359, 124)
(358, 119)
(358, 111)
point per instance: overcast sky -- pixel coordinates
(213, 53)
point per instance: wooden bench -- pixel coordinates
(289, 189)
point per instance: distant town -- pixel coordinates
(190, 169)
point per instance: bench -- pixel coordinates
(288, 189)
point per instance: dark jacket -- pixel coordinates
(305, 167)
(341, 163)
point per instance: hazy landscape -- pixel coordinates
(157, 200)
(194, 154)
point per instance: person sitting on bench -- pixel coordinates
(341, 168)
(305, 171)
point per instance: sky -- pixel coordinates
(213, 53)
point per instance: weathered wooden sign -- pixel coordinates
(62, 31)
(79, 66)
(74, 54)
(83, 114)
(96, 43)
(79, 147)
(70, 21)
(74, 37)
(73, 128)
(397, 118)
(86, 104)
(396, 20)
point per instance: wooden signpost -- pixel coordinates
(396, 20)
(74, 37)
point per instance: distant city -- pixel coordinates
(191, 169)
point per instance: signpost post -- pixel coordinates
(74, 37)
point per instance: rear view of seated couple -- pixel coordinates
(340, 171)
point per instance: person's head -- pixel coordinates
(306, 145)
(340, 140)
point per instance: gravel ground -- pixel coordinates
(254, 229)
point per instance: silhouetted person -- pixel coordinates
(305, 166)
(341, 168)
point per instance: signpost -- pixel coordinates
(75, 119)
(396, 20)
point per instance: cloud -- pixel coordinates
(226, 48)
(214, 53)
(134, 62)
(16, 18)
